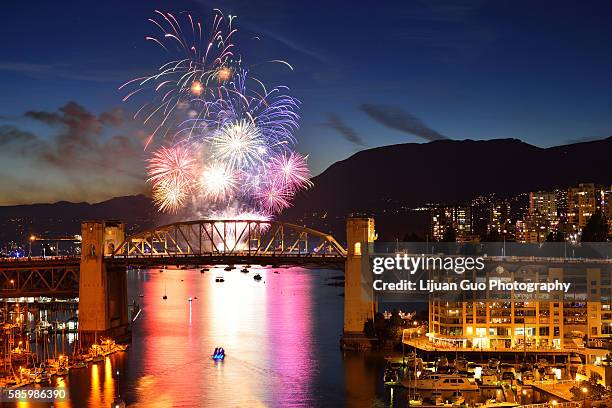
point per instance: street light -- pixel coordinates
(32, 238)
(585, 391)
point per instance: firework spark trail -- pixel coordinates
(228, 137)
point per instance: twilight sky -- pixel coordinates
(404, 71)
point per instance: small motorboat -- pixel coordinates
(244, 270)
(277, 272)
(161, 271)
(218, 354)
(141, 295)
(118, 403)
(164, 297)
(257, 277)
(228, 268)
(219, 279)
(391, 377)
(189, 299)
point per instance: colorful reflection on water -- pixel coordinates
(280, 336)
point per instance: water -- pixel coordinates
(281, 337)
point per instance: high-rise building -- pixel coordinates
(456, 217)
(583, 200)
(499, 220)
(543, 203)
(543, 215)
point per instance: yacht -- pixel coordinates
(489, 377)
(446, 382)
(461, 364)
(493, 363)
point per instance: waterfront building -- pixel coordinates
(518, 321)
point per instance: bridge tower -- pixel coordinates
(359, 302)
(102, 287)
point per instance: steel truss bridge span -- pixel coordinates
(228, 241)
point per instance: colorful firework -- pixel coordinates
(171, 173)
(218, 182)
(230, 136)
(292, 170)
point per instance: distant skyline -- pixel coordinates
(401, 72)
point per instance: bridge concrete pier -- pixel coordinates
(359, 302)
(102, 286)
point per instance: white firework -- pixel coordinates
(239, 144)
(218, 182)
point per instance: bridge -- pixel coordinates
(98, 276)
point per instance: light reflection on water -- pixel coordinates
(281, 337)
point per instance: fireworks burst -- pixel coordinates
(240, 144)
(218, 182)
(230, 135)
(292, 170)
(274, 197)
(171, 174)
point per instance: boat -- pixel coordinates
(446, 382)
(203, 270)
(277, 272)
(165, 295)
(141, 295)
(118, 403)
(161, 270)
(493, 363)
(189, 299)
(415, 401)
(257, 277)
(228, 268)
(218, 354)
(489, 377)
(527, 378)
(219, 279)
(244, 270)
(461, 364)
(390, 377)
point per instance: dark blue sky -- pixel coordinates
(534, 70)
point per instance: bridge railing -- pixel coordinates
(230, 238)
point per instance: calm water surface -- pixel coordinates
(280, 335)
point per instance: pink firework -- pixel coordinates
(291, 170)
(274, 197)
(171, 172)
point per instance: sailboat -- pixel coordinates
(165, 296)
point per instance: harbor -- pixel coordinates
(41, 343)
(427, 375)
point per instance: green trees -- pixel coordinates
(596, 229)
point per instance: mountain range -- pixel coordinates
(381, 181)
